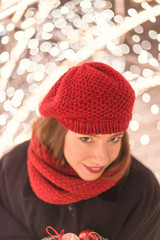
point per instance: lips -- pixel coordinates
(93, 169)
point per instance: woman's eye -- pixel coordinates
(85, 139)
(115, 139)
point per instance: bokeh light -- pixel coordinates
(40, 41)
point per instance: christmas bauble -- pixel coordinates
(70, 236)
(88, 235)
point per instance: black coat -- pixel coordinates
(128, 211)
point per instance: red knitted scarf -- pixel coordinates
(60, 185)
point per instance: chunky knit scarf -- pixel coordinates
(60, 185)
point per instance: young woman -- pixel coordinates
(76, 173)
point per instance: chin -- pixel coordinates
(87, 178)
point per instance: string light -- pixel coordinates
(51, 38)
(10, 8)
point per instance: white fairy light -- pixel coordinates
(5, 72)
(132, 12)
(4, 56)
(136, 38)
(145, 5)
(70, 55)
(31, 66)
(54, 51)
(137, 48)
(3, 120)
(33, 43)
(152, 19)
(5, 40)
(152, 34)
(146, 45)
(29, 32)
(153, 62)
(134, 125)
(144, 139)
(7, 105)
(128, 75)
(20, 71)
(146, 97)
(16, 102)
(38, 76)
(10, 27)
(143, 57)
(118, 18)
(85, 4)
(45, 47)
(64, 45)
(10, 91)
(154, 109)
(46, 35)
(64, 10)
(60, 23)
(124, 48)
(19, 94)
(99, 3)
(138, 29)
(2, 95)
(24, 63)
(147, 73)
(28, 23)
(48, 27)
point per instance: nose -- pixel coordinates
(100, 155)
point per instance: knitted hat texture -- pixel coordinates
(92, 98)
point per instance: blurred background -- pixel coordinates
(40, 40)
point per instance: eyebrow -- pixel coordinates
(114, 135)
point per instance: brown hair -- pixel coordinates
(51, 134)
(123, 160)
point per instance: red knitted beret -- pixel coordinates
(92, 98)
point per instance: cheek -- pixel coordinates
(71, 151)
(114, 151)
(74, 152)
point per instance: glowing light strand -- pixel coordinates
(21, 45)
(14, 8)
(81, 55)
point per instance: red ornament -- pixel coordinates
(88, 235)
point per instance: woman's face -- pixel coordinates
(90, 155)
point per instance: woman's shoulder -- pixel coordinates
(13, 168)
(141, 175)
(16, 155)
(140, 185)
